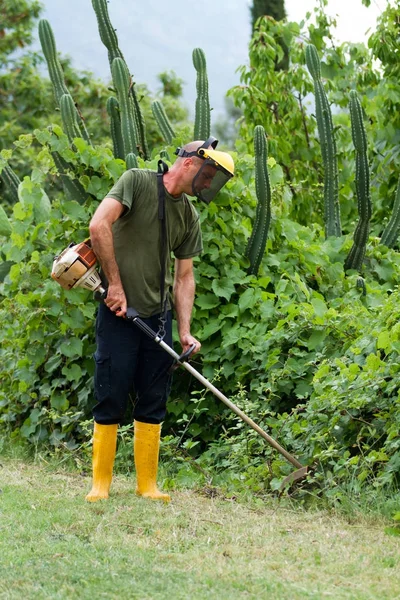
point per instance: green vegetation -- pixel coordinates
(304, 342)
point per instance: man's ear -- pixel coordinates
(187, 163)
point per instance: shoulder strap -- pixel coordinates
(162, 169)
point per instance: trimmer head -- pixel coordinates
(294, 477)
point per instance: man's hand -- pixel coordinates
(116, 300)
(188, 340)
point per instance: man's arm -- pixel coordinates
(101, 237)
(184, 288)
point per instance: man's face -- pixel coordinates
(205, 177)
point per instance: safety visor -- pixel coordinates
(208, 181)
(216, 170)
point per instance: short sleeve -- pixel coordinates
(192, 244)
(122, 190)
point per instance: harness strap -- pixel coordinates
(162, 169)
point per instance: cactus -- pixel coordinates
(328, 146)
(162, 121)
(256, 246)
(69, 117)
(391, 232)
(115, 127)
(356, 255)
(110, 40)
(140, 124)
(122, 82)
(131, 161)
(106, 30)
(56, 72)
(202, 124)
(11, 180)
(72, 187)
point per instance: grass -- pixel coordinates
(54, 545)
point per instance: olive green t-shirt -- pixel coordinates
(137, 237)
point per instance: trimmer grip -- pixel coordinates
(100, 294)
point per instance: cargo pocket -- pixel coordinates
(102, 376)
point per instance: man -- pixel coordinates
(133, 243)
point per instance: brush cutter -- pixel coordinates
(75, 267)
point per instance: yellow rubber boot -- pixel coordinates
(146, 448)
(104, 447)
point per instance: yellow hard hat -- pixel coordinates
(222, 160)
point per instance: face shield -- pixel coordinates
(209, 180)
(216, 170)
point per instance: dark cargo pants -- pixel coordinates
(128, 360)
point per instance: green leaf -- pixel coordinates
(207, 301)
(75, 210)
(320, 308)
(210, 328)
(223, 287)
(316, 339)
(5, 269)
(71, 348)
(384, 341)
(275, 174)
(247, 299)
(59, 402)
(5, 227)
(72, 373)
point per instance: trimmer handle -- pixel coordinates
(186, 355)
(100, 294)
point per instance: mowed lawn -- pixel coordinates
(54, 545)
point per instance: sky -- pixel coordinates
(156, 37)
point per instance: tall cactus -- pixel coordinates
(110, 40)
(115, 127)
(49, 48)
(11, 180)
(356, 255)
(69, 117)
(106, 30)
(140, 123)
(392, 229)
(328, 146)
(122, 81)
(256, 246)
(202, 124)
(56, 72)
(162, 121)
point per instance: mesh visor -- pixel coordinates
(209, 180)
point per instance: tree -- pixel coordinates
(17, 20)
(272, 8)
(276, 10)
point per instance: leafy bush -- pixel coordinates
(308, 351)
